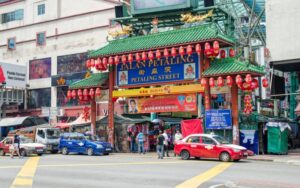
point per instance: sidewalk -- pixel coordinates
(293, 158)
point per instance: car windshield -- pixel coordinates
(53, 133)
(92, 137)
(24, 140)
(221, 139)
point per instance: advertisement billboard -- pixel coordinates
(39, 68)
(169, 103)
(71, 63)
(171, 69)
(144, 7)
(13, 75)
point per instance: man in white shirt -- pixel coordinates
(166, 143)
(177, 137)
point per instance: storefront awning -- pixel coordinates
(232, 66)
(95, 80)
(6, 122)
(184, 36)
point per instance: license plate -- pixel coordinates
(246, 154)
(39, 150)
(108, 149)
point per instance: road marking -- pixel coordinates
(26, 174)
(200, 179)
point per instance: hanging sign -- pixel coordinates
(170, 103)
(171, 69)
(218, 119)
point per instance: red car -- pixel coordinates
(209, 146)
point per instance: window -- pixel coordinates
(41, 39)
(194, 139)
(41, 9)
(41, 133)
(12, 16)
(206, 140)
(11, 43)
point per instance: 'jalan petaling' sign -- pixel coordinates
(169, 69)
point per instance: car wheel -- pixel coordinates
(185, 155)
(225, 157)
(2, 153)
(90, 151)
(54, 151)
(23, 153)
(65, 151)
(106, 154)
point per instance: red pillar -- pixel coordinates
(111, 126)
(93, 116)
(235, 115)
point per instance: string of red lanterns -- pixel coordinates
(85, 94)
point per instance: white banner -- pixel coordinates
(15, 75)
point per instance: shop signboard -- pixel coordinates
(170, 103)
(67, 79)
(143, 7)
(218, 119)
(165, 70)
(14, 75)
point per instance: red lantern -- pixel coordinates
(92, 63)
(207, 50)
(69, 94)
(97, 63)
(198, 48)
(181, 50)
(173, 52)
(211, 82)
(74, 94)
(124, 59)
(203, 82)
(189, 50)
(92, 93)
(150, 55)
(117, 60)
(216, 47)
(88, 63)
(248, 79)
(85, 94)
(166, 52)
(79, 93)
(104, 63)
(254, 84)
(130, 58)
(265, 83)
(137, 57)
(158, 54)
(231, 52)
(238, 80)
(223, 54)
(220, 81)
(110, 60)
(98, 92)
(229, 81)
(144, 56)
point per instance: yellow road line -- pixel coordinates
(26, 174)
(200, 179)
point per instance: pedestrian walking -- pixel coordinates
(141, 138)
(160, 145)
(177, 137)
(166, 144)
(15, 146)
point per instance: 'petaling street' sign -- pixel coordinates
(171, 69)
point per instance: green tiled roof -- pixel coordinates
(195, 34)
(231, 66)
(95, 80)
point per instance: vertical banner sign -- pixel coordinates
(218, 119)
(171, 69)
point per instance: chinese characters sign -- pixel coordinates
(169, 69)
(218, 119)
(170, 103)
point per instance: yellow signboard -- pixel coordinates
(164, 90)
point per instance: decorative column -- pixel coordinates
(93, 116)
(111, 123)
(235, 114)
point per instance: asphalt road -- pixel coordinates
(135, 170)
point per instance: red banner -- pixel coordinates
(193, 126)
(168, 103)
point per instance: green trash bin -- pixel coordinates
(277, 140)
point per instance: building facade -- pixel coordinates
(51, 38)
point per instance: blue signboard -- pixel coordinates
(218, 119)
(169, 69)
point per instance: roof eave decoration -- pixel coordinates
(232, 66)
(95, 80)
(192, 35)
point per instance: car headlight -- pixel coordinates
(236, 150)
(99, 146)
